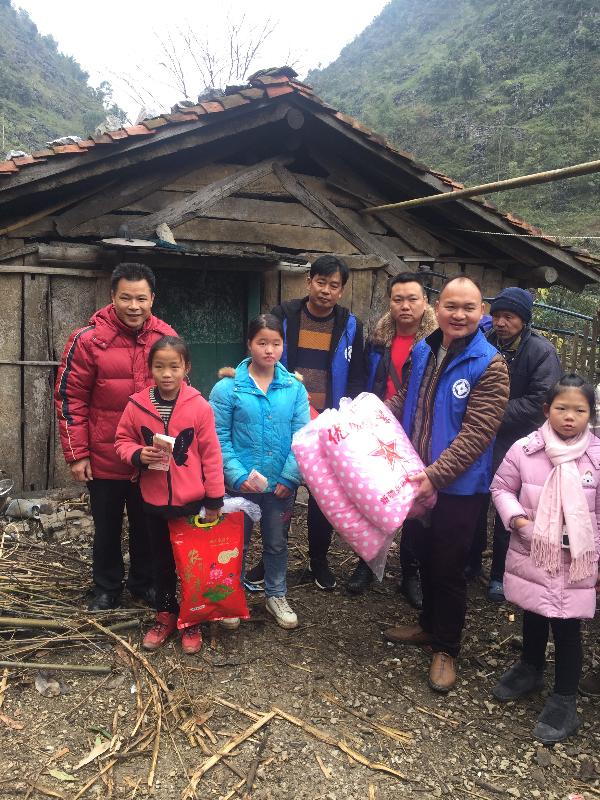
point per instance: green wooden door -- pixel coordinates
(210, 310)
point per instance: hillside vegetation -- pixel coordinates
(483, 90)
(43, 94)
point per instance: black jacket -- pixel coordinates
(533, 370)
(291, 310)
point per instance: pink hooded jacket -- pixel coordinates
(516, 489)
(195, 475)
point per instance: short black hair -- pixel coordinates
(329, 265)
(263, 321)
(405, 277)
(571, 380)
(131, 271)
(176, 342)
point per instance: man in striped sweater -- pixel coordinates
(323, 342)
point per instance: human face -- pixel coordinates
(459, 310)
(507, 325)
(569, 413)
(324, 291)
(407, 304)
(169, 370)
(132, 301)
(265, 349)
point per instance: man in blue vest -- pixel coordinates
(324, 343)
(451, 405)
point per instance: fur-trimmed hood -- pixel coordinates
(385, 329)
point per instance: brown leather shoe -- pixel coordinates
(442, 673)
(407, 634)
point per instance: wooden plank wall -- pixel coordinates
(39, 313)
(579, 352)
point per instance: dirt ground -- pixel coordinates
(361, 722)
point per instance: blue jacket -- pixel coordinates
(255, 429)
(346, 359)
(449, 406)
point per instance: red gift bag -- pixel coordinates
(208, 558)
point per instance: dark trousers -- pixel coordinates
(444, 549)
(568, 652)
(409, 548)
(320, 531)
(165, 576)
(499, 547)
(108, 500)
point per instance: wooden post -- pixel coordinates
(37, 383)
(72, 302)
(11, 435)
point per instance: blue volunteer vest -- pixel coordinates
(450, 403)
(340, 363)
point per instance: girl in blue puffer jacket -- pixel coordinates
(258, 408)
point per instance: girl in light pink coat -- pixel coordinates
(547, 493)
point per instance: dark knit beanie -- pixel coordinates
(516, 300)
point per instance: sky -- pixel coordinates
(125, 41)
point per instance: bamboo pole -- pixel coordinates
(54, 625)
(99, 669)
(548, 176)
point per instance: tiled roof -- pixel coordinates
(265, 84)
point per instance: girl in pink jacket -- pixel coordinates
(547, 493)
(175, 486)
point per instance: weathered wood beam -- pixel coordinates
(84, 254)
(18, 252)
(18, 269)
(210, 128)
(127, 190)
(199, 202)
(336, 218)
(543, 276)
(343, 176)
(356, 262)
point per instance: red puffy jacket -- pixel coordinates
(102, 365)
(195, 475)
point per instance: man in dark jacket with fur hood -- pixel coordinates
(410, 318)
(323, 341)
(534, 367)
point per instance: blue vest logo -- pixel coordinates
(461, 388)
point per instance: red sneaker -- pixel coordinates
(164, 625)
(191, 640)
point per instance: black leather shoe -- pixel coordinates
(147, 596)
(103, 601)
(410, 587)
(361, 578)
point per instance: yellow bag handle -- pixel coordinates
(199, 524)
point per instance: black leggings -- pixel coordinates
(568, 653)
(165, 576)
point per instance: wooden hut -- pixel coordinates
(253, 183)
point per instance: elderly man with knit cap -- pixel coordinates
(534, 367)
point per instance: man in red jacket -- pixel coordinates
(102, 365)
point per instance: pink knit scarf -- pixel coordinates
(563, 503)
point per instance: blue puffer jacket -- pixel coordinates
(255, 429)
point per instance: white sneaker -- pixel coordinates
(280, 609)
(231, 624)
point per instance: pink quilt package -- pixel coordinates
(356, 463)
